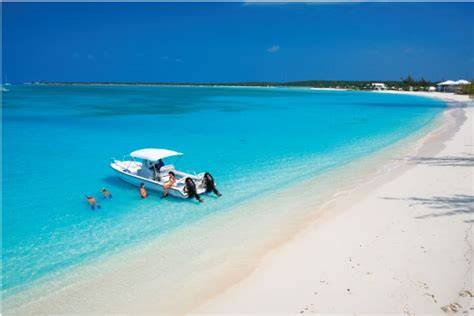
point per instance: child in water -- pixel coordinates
(92, 202)
(143, 192)
(106, 194)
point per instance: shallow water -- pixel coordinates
(58, 141)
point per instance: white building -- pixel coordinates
(378, 86)
(451, 86)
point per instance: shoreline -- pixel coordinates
(217, 85)
(157, 85)
(119, 275)
(307, 275)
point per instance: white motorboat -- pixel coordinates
(143, 167)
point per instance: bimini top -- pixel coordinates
(154, 154)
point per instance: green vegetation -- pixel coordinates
(407, 83)
(468, 89)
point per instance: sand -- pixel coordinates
(401, 245)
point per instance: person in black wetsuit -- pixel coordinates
(190, 189)
(210, 184)
(155, 168)
(158, 165)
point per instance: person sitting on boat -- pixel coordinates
(143, 192)
(92, 202)
(210, 184)
(190, 189)
(106, 194)
(168, 184)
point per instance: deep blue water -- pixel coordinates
(58, 142)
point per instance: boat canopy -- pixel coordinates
(154, 154)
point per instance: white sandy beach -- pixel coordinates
(401, 245)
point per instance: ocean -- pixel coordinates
(58, 142)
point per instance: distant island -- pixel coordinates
(404, 84)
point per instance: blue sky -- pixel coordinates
(224, 42)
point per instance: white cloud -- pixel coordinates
(273, 49)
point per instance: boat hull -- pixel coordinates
(149, 184)
(127, 172)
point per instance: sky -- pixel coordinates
(236, 42)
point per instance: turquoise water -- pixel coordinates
(58, 142)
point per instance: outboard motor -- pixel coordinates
(190, 189)
(209, 184)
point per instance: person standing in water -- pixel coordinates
(210, 184)
(143, 192)
(190, 189)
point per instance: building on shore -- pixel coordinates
(378, 86)
(451, 86)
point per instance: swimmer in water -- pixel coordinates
(92, 202)
(106, 194)
(143, 192)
